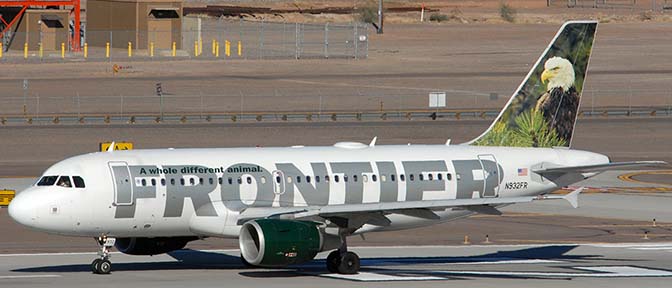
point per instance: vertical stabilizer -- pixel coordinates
(543, 110)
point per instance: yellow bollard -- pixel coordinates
(214, 44)
(200, 46)
(217, 50)
(25, 50)
(86, 50)
(227, 48)
(41, 51)
(130, 49)
(62, 50)
(151, 49)
(0, 50)
(107, 50)
(174, 51)
(240, 48)
(195, 48)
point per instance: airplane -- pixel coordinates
(287, 204)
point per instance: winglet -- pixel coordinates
(111, 148)
(573, 197)
(373, 141)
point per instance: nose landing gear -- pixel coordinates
(102, 265)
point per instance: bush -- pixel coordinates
(507, 12)
(368, 13)
(438, 17)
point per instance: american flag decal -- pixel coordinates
(522, 171)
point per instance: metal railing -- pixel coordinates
(209, 39)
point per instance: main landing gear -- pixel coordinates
(342, 261)
(102, 265)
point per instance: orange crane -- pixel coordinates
(75, 4)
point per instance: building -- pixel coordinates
(140, 22)
(46, 26)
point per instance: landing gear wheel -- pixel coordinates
(333, 261)
(349, 263)
(105, 267)
(95, 265)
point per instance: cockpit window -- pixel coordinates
(64, 181)
(47, 181)
(79, 182)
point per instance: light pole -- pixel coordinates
(380, 17)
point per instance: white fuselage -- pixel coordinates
(187, 192)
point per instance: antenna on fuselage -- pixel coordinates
(373, 141)
(111, 148)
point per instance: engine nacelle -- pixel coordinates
(278, 243)
(151, 246)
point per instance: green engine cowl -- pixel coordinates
(278, 243)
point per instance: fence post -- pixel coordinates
(326, 40)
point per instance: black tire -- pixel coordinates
(95, 265)
(349, 264)
(333, 261)
(105, 267)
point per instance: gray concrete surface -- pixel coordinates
(558, 265)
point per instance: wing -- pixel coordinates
(550, 168)
(374, 213)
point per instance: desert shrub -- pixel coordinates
(507, 12)
(438, 17)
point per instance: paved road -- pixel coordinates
(559, 265)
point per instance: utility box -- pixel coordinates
(140, 22)
(46, 26)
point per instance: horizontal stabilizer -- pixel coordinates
(549, 168)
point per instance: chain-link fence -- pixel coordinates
(321, 103)
(199, 38)
(651, 5)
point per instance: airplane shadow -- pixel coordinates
(193, 259)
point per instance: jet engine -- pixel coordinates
(278, 243)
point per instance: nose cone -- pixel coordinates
(22, 210)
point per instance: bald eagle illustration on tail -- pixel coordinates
(543, 110)
(561, 101)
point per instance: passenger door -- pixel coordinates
(123, 186)
(491, 175)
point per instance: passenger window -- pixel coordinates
(336, 178)
(354, 178)
(153, 182)
(308, 179)
(374, 178)
(298, 179)
(47, 181)
(365, 178)
(200, 181)
(402, 178)
(249, 180)
(449, 176)
(439, 176)
(163, 182)
(230, 181)
(421, 177)
(317, 179)
(430, 177)
(289, 179)
(393, 177)
(211, 181)
(345, 178)
(79, 182)
(182, 181)
(143, 182)
(457, 176)
(411, 177)
(64, 181)
(191, 181)
(172, 181)
(277, 179)
(240, 181)
(326, 178)
(219, 180)
(383, 178)
(263, 179)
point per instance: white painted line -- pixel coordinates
(522, 261)
(372, 277)
(29, 276)
(603, 272)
